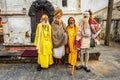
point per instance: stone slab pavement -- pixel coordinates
(106, 68)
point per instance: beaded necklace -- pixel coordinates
(45, 31)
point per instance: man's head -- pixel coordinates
(86, 17)
(58, 14)
(86, 14)
(71, 21)
(44, 19)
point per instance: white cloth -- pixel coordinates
(78, 35)
(59, 52)
(95, 35)
(86, 32)
(85, 42)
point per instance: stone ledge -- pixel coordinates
(19, 59)
(19, 47)
(4, 13)
(18, 44)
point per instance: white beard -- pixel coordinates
(72, 25)
(85, 20)
(45, 22)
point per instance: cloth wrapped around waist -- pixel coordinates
(59, 52)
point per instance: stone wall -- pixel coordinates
(17, 22)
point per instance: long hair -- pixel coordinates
(90, 12)
(69, 20)
(74, 23)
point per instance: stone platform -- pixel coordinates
(106, 68)
(12, 54)
(16, 58)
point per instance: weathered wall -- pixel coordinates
(17, 22)
(16, 29)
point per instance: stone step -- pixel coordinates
(6, 61)
(18, 59)
(15, 57)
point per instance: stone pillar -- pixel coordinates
(108, 25)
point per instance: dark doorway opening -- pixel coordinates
(39, 14)
(37, 9)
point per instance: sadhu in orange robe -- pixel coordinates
(43, 43)
(71, 31)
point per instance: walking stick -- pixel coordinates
(72, 69)
(73, 66)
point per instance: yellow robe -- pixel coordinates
(71, 38)
(43, 43)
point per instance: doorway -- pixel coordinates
(37, 9)
(39, 14)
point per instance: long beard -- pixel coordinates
(85, 20)
(72, 25)
(58, 20)
(45, 22)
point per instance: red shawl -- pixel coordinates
(95, 27)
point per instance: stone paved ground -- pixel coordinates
(107, 68)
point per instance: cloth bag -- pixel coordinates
(77, 44)
(92, 43)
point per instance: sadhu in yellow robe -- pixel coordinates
(43, 43)
(71, 31)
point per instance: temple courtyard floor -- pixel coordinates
(106, 68)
